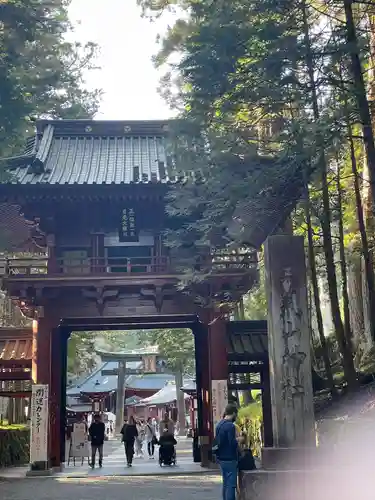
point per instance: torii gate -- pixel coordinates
(151, 362)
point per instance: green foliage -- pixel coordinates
(82, 347)
(255, 302)
(118, 340)
(81, 353)
(250, 421)
(14, 447)
(175, 345)
(41, 73)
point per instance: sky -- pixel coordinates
(127, 42)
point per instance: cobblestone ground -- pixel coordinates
(200, 487)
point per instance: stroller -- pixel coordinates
(167, 451)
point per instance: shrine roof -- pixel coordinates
(96, 382)
(247, 340)
(190, 387)
(71, 152)
(166, 395)
(15, 350)
(148, 381)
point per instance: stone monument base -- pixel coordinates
(324, 484)
(277, 459)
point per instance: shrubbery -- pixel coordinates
(14, 447)
(250, 421)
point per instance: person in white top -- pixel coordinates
(139, 440)
(150, 437)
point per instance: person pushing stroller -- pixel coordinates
(167, 452)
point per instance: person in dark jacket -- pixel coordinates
(97, 434)
(129, 434)
(167, 443)
(227, 451)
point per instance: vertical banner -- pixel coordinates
(219, 399)
(39, 424)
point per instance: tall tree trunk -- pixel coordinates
(347, 359)
(356, 298)
(315, 288)
(343, 266)
(364, 213)
(360, 92)
(369, 282)
(179, 380)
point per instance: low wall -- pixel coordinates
(14, 447)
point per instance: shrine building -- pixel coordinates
(95, 191)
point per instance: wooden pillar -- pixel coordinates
(53, 266)
(289, 342)
(218, 367)
(120, 396)
(55, 399)
(42, 351)
(64, 368)
(203, 390)
(97, 253)
(266, 406)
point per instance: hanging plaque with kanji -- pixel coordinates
(128, 227)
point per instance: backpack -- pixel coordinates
(246, 461)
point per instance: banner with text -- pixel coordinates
(79, 444)
(219, 399)
(39, 424)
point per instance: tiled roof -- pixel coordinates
(148, 381)
(248, 339)
(21, 234)
(94, 152)
(96, 382)
(16, 350)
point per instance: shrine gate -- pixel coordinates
(96, 191)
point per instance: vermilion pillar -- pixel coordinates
(218, 361)
(42, 357)
(55, 399)
(212, 373)
(203, 391)
(47, 370)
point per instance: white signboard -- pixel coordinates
(219, 399)
(39, 424)
(79, 445)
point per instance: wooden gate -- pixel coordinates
(248, 367)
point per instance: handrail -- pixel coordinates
(42, 265)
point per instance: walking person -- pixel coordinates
(139, 439)
(150, 437)
(226, 450)
(167, 423)
(97, 435)
(129, 434)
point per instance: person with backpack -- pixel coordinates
(226, 450)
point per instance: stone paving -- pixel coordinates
(114, 465)
(200, 487)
